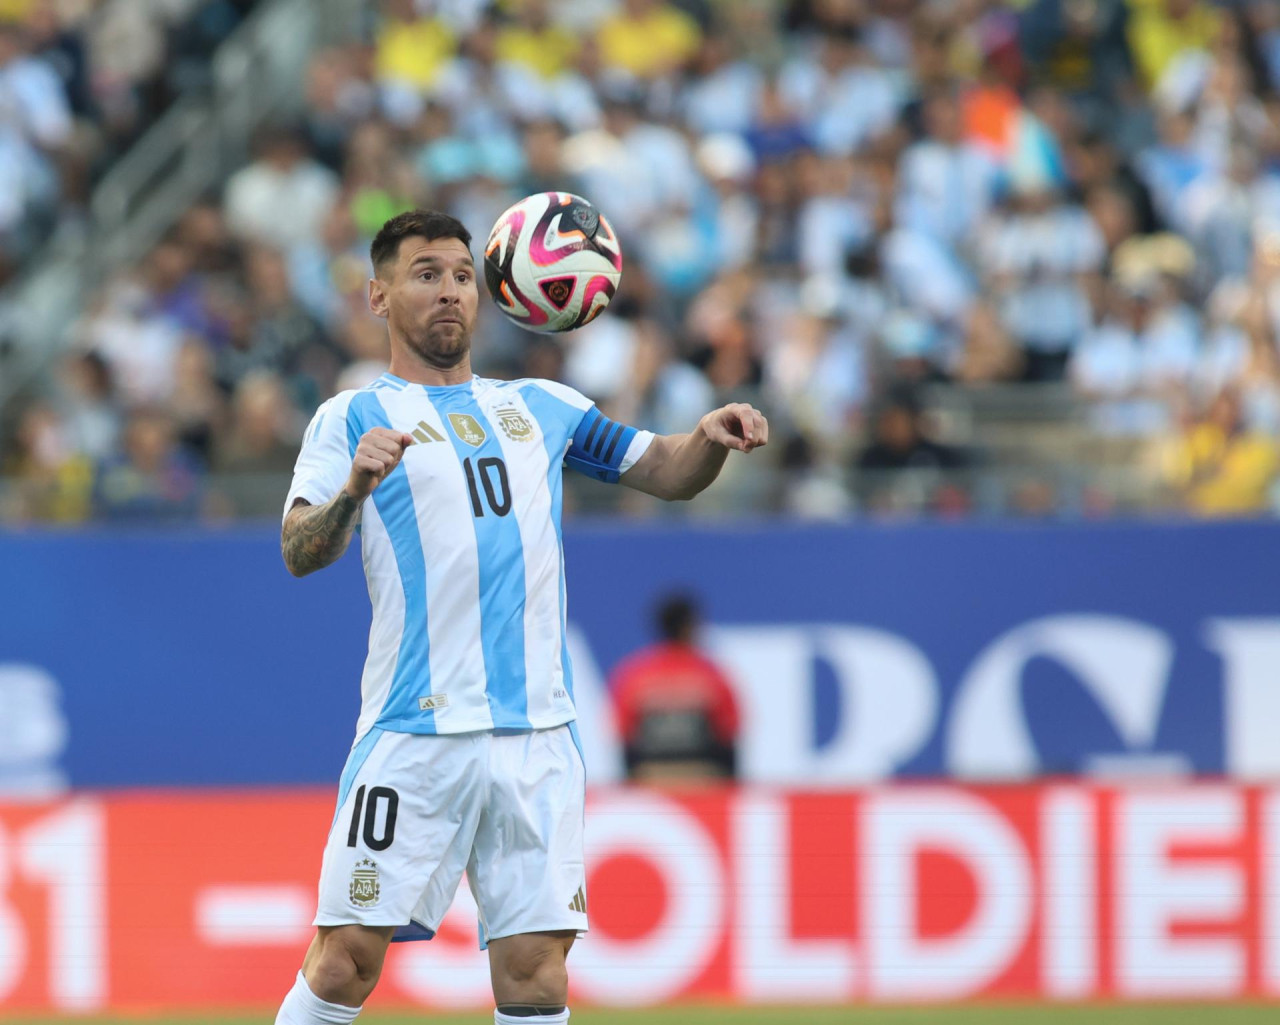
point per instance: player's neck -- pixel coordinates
(407, 368)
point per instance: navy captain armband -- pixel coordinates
(599, 446)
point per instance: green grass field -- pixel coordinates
(1025, 1014)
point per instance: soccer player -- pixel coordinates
(466, 755)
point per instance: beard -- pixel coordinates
(443, 346)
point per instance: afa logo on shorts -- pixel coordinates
(364, 888)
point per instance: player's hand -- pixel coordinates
(377, 454)
(738, 426)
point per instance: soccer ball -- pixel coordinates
(552, 262)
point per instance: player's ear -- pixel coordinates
(377, 298)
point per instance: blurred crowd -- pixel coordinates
(80, 81)
(828, 207)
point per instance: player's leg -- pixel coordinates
(527, 872)
(530, 980)
(407, 811)
(338, 974)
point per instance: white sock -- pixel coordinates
(538, 1019)
(302, 1007)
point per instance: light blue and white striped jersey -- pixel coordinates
(462, 545)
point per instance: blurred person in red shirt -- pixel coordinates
(676, 710)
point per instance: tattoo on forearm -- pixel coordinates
(316, 535)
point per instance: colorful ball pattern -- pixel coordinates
(552, 262)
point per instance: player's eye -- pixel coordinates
(464, 278)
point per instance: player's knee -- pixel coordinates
(344, 970)
(539, 974)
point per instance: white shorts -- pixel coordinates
(415, 811)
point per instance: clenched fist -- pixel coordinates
(737, 426)
(377, 454)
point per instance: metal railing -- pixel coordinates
(259, 73)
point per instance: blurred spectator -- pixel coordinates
(1222, 467)
(1169, 166)
(339, 97)
(262, 442)
(536, 42)
(86, 405)
(328, 275)
(261, 439)
(634, 168)
(810, 487)
(137, 344)
(723, 92)
(411, 50)
(1160, 31)
(1037, 256)
(282, 197)
(819, 370)
(378, 179)
(845, 99)
(196, 403)
(1078, 45)
(666, 395)
(35, 130)
(203, 231)
(988, 354)
(676, 711)
(648, 38)
(279, 335)
(946, 183)
(152, 479)
(900, 441)
(51, 479)
(1224, 209)
(1146, 349)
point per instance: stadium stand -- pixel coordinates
(972, 257)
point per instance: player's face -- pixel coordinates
(431, 300)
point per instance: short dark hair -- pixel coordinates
(427, 224)
(677, 615)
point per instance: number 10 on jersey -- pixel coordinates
(490, 475)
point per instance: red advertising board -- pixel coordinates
(893, 894)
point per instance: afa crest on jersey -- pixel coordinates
(467, 428)
(364, 889)
(513, 424)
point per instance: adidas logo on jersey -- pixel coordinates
(425, 433)
(579, 902)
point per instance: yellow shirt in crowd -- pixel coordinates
(549, 52)
(15, 10)
(1225, 476)
(1156, 38)
(414, 52)
(652, 45)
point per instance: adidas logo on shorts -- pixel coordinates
(579, 902)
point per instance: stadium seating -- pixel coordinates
(1055, 229)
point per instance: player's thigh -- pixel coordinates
(403, 831)
(527, 871)
(529, 968)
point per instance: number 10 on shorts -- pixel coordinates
(369, 834)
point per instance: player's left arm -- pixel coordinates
(678, 466)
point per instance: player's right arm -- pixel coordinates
(314, 536)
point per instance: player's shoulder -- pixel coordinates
(331, 415)
(561, 393)
(339, 403)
